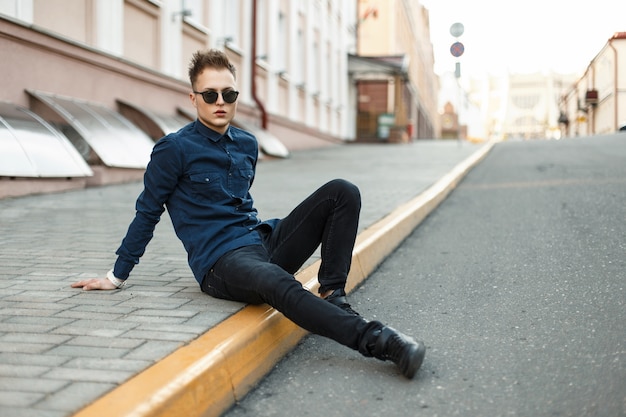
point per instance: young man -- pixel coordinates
(203, 174)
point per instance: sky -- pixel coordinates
(523, 36)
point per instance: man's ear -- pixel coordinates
(192, 97)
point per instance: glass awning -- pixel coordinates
(268, 143)
(155, 124)
(115, 140)
(30, 147)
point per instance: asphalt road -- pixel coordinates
(517, 284)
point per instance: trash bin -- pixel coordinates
(385, 122)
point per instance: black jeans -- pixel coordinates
(264, 273)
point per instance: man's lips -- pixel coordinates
(220, 113)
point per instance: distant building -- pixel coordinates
(532, 106)
(450, 126)
(520, 106)
(394, 72)
(596, 102)
(531, 110)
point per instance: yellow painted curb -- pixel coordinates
(207, 376)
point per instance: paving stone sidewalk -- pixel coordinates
(62, 348)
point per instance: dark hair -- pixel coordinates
(212, 58)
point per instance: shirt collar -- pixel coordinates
(210, 133)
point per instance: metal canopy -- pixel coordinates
(116, 141)
(30, 147)
(386, 65)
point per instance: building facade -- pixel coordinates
(111, 74)
(394, 35)
(554, 106)
(138, 51)
(518, 106)
(532, 106)
(596, 102)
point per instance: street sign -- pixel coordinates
(457, 29)
(457, 49)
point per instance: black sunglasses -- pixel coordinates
(210, 97)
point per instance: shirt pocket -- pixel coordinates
(207, 185)
(242, 182)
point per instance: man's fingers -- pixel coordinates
(79, 284)
(91, 285)
(94, 284)
(86, 284)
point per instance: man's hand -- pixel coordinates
(95, 284)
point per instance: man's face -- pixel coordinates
(218, 115)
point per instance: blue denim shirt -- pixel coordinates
(203, 178)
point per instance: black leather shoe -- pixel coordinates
(401, 349)
(338, 298)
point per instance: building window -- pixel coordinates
(282, 43)
(300, 61)
(193, 10)
(261, 31)
(231, 19)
